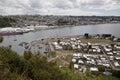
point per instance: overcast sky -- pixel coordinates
(60, 7)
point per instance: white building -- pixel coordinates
(76, 66)
(94, 69)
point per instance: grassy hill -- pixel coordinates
(36, 67)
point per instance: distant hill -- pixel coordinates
(51, 20)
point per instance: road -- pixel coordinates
(51, 47)
(113, 67)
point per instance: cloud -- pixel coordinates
(111, 5)
(58, 7)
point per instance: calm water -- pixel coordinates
(77, 30)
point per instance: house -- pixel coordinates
(55, 43)
(89, 43)
(109, 53)
(58, 47)
(106, 35)
(80, 62)
(75, 55)
(94, 50)
(95, 47)
(62, 43)
(107, 73)
(116, 64)
(107, 49)
(76, 66)
(74, 60)
(117, 58)
(106, 65)
(79, 47)
(98, 50)
(117, 39)
(74, 47)
(99, 62)
(79, 41)
(117, 47)
(72, 39)
(94, 69)
(79, 55)
(111, 58)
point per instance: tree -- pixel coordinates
(27, 55)
(112, 45)
(112, 38)
(86, 35)
(1, 39)
(59, 41)
(116, 73)
(71, 65)
(101, 68)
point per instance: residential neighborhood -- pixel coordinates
(91, 56)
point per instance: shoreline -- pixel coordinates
(41, 27)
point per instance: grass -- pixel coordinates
(76, 75)
(94, 40)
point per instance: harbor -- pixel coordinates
(15, 40)
(22, 30)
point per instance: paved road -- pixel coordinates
(113, 67)
(53, 58)
(51, 47)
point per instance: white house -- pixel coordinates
(94, 69)
(76, 66)
(116, 64)
(117, 58)
(80, 62)
(109, 53)
(74, 60)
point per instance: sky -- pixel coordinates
(60, 7)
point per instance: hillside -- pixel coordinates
(35, 67)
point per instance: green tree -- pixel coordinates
(101, 68)
(1, 39)
(59, 41)
(52, 53)
(86, 35)
(27, 55)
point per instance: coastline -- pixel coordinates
(27, 29)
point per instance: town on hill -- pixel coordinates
(50, 20)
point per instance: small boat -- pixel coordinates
(40, 47)
(15, 39)
(26, 47)
(21, 44)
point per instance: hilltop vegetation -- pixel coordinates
(36, 67)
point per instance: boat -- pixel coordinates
(15, 39)
(10, 31)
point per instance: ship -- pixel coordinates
(10, 31)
